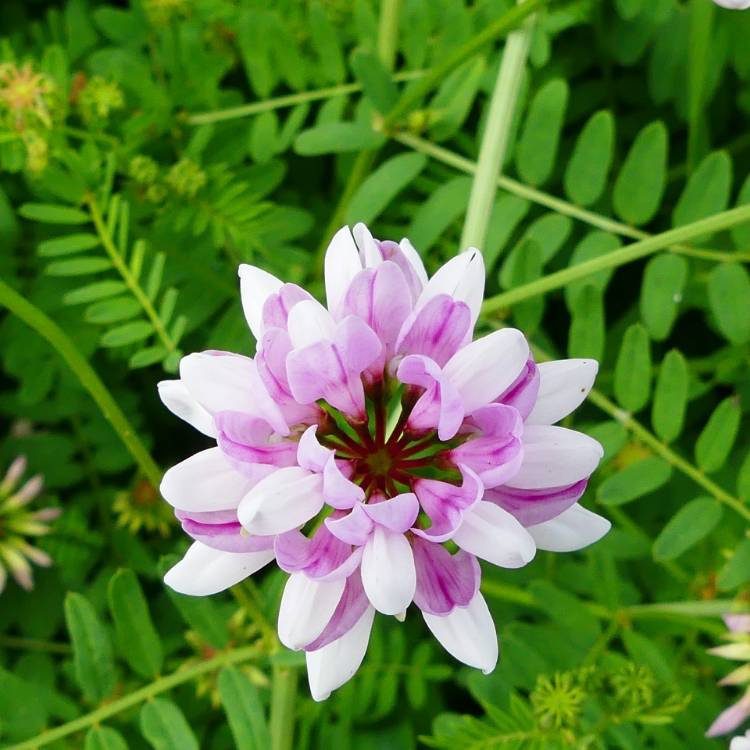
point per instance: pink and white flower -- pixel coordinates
(734, 4)
(738, 649)
(740, 743)
(375, 451)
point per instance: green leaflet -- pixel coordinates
(244, 709)
(588, 167)
(642, 177)
(694, 521)
(137, 639)
(104, 738)
(634, 481)
(670, 397)
(165, 726)
(336, 137)
(92, 650)
(633, 369)
(718, 436)
(661, 293)
(728, 293)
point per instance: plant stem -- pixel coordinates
(495, 139)
(627, 254)
(131, 282)
(283, 707)
(290, 100)
(388, 32)
(33, 644)
(507, 22)
(132, 699)
(49, 330)
(558, 204)
(663, 450)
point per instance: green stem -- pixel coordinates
(679, 463)
(627, 254)
(495, 138)
(413, 96)
(283, 704)
(290, 100)
(388, 32)
(49, 330)
(138, 696)
(130, 281)
(558, 204)
(701, 32)
(33, 644)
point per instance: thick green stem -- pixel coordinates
(558, 204)
(627, 254)
(283, 707)
(138, 696)
(388, 32)
(505, 23)
(496, 133)
(49, 330)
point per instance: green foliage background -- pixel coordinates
(170, 140)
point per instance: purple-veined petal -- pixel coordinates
(395, 514)
(555, 456)
(204, 571)
(563, 385)
(282, 501)
(221, 530)
(277, 306)
(522, 393)
(536, 506)
(247, 439)
(729, 719)
(353, 528)
(338, 491)
(205, 481)
(380, 297)
(496, 420)
(311, 455)
(308, 323)
(495, 535)
(342, 264)
(468, 634)
(445, 503)
(737, 623)
(230, 382)
(368, 246)
(334, 664)
(306, 607)
(572, 530)
(440, 406)
(444, 581)
(414, 259)
(437, 329)
(388, 573)
(351, 607)
(462, 278)
(322, 557)
(176, 397)
(482, 370)
(494, 459)
(358, 345)
(256, 286)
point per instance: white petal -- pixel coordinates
(205, 571)
(493, 534)
(330, 667)
(414, 259)
(563, 385)
(309, 322)
(740, 743)
(205, 481)
(282, 501)
(482, 370)
(554, 457)
(388, 573)
(219, 382)
(573, 529)
(306, 607)
(176, 397)
(462, 278)
(256, 286)
(368, 248)
(342, 264)
(468, 634)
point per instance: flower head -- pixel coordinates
(737, 649)
(25, 95)
(17, 522)
(375, 452)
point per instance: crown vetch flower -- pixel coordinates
(376, 451)
(737, 649)
(18, 523)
